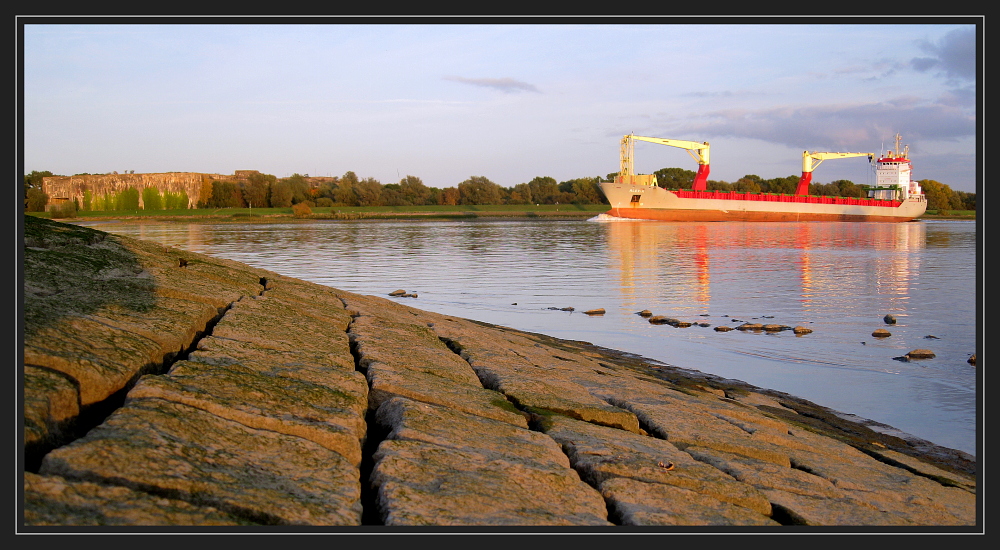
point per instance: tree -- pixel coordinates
(369, 192)
(544, 190)
(449, 196)
(414, 191)
(205, 192)
(715, 185)
(328, 189)
(746, 185)
(521, 194)
(392, 195)
(345, 195)
(175, 201)
(151, 199)
(838, 188)
(35, 200)
(479, 190)
(940, 196)
(65, 210)
(968, 200)
(301, 210)
(299, 187)
(226, 194)
(823, 189)
(587, 191)
(33, 181)
(847, 188)
(281, 194)
(786, 185)
(257, 189)
(674, 178)
(127, 199)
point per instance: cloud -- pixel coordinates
(954, 55)
(964, 97)
(505, 85)
(836, 127)
(726, 94)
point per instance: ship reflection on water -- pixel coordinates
(679, 259)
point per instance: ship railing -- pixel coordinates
(782, 197)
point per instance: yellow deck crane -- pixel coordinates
(811, 160)
(698, 151)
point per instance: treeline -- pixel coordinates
(941, 197)
(265, 190)
(350, 190)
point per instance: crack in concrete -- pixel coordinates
(90, 416)
(375, 434)
(534, 421)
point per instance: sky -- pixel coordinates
(447, 99)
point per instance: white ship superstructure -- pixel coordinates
(893, 175)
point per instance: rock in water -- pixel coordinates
(889, 319)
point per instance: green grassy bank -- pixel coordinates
(543, 211)
(949, 215)
(546, 211)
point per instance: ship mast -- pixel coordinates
(900, 153)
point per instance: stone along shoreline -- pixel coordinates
(168, 388)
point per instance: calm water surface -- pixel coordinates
(839, 279)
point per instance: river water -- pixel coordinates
(838, 279)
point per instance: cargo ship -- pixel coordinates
(895, 197)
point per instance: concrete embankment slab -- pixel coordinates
(100, 311)
(56, 501)
(603, 454)
(408, 360)
(177, 451)
(237, 396)
(443, 467)
(262, 423)
(333, 418)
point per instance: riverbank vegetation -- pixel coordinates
(332, 195)
(302, 212)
